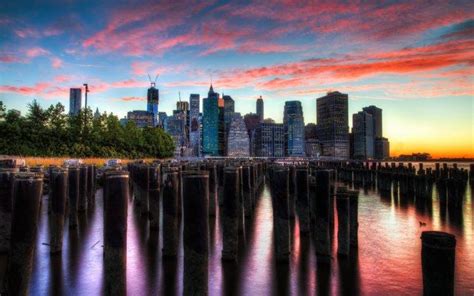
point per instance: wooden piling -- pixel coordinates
(230, 212)
(196, 232)
(438, 257)
(27, 192)
(170, 213)
(115, 233)
(58, 186)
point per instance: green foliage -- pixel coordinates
(50, 132)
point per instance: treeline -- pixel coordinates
(51, 132)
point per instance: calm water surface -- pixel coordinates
(388, 260)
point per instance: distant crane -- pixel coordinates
(153, 83)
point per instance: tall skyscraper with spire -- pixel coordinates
(153, 99)
(210, 124)
(260, 109)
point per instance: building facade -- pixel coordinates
(141, 118)
(333, 127)
(176, 127)
(376, 119)
(382, 148)
(269, 140)
(210, 124)
(363, 133)
(312, 148)
(194, 125)
(260, 110)
(153, 99)
(293, 121)
(75, 101)
(238, 143)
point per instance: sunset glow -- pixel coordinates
(413, 59)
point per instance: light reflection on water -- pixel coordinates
(388, 259)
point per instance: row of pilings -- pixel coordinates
(193, 192)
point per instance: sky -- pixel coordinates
(413, 59)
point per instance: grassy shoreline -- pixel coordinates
(47, 161)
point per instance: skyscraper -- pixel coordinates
(376, 118)
(269, 140)
(195, 125)
(229, 109)
(237, 137)
(293, 121)
(363, 133)
(153, 99)
(75, 96)
(260, 109)
(382, 148)
(332, 121)
(210, 124)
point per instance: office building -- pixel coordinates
(333, 127)
(260, 109)
(161, 119)
(293, 121)
(194, 125)
(211, 129)
(382, 148)
(376, 119)
(176, 128)
(141, 118)
(153, 99)
(269, 140)
(363, 133)
(75, 97)
(237, 137)
(312, 148)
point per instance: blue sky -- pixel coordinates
(413, 59)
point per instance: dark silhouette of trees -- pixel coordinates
(51, 132)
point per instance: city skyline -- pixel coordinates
(416, 69)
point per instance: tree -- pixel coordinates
(51, 132)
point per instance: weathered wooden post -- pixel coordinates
(437, 258)
(302, 198)
(211, 168)
(322, 199)
(281, 215)
(354, 217)
(144, 185)
(196, 232)
(90, 185)
(170, 212)
(27, 192)
(82, 201)
(230, 212)
(291, 190)
(154, 196)
(246, 190)
(343, 218)
(6, 206)
(115, 232)
(58, 188)
(73, 194)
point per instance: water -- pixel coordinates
(388, 260)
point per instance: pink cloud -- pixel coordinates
(36, 52)
(131, 99)
(9, 58)
(56, 63)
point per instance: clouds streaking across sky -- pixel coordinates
(413, 59)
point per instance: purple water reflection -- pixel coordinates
(388, 259)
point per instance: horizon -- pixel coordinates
(418, 70)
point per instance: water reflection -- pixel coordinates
(388, 259)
